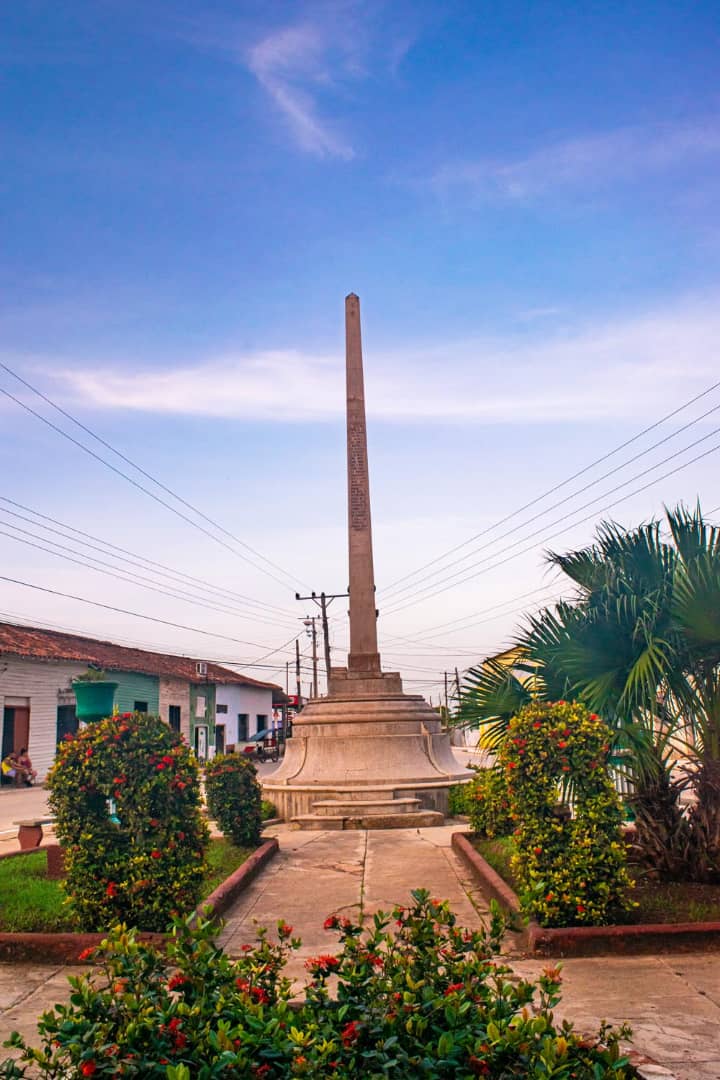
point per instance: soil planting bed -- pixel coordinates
(65, 947)
(670, 917)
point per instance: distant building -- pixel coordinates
(212, 706)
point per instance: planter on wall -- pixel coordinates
(95, 700)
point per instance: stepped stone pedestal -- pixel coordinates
(367, 756)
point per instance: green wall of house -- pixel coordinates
(132, 687)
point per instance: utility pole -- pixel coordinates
(323, 601)
(447, 710)
(457, 685)
(297, 674)
(309, 623)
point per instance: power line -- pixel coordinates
(556, 487)
(166, 571)
(128, 576)
(451, 624)
(567, 498)
(581, 521)
(126, 611)
(141, 487)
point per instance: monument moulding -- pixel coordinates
(367, 755)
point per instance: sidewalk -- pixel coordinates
(673, 1003)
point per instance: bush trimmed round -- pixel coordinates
(126, 797)
(234, 798)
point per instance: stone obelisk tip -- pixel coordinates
(363, 656)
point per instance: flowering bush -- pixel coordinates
(234, 798)
(489, 803)
(414, 995)
(571, 870)
(125, 795)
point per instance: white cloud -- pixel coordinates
(628, 368)
(291, 64)
(589, 161)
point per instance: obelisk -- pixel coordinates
(368, 755)
(363, 656)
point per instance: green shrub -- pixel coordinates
(126, 799)
(458, 799)
(268, 810)
(489, 803)
(234, 798)
(414, 995)
(571, 871)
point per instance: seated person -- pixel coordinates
(9, 768)
(24, 767)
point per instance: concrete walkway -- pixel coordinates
(672, 1003)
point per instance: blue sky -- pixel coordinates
(525, 197)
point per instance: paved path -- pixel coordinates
(673, 1003)
(352, 873)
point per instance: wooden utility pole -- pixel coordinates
(297, 674)
(314, 655)
(324, 600)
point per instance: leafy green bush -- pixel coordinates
(458, 800)
(414, 995)
(571, 870)
(126, 799)
(234, 798)
(267, 810)
(489, 803)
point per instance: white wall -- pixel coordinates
(40, 681)
(252, 700)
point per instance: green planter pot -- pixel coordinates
(95, 700)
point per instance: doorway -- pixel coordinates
(67, 722)
(201, 742)
(16, 728)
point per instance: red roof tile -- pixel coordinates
(36, 643)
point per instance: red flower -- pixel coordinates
(88, 1068)
(593, 716)
(87, 953)
(349, 1033)
(181, 836)
(156, 854)
(538, 850)
(159, 766)
(537, 724)
(89, 753)
(111, 889)
(284, 930)
(580, 909)
(331, 923)
(561, 745)
(323, 965)
(176, 981)
(260, 995)
(453, 988)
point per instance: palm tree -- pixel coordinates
(640, 645)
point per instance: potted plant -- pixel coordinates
(94, 695)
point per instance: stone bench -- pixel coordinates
(30, 831)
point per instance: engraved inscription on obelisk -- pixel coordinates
(363, 656)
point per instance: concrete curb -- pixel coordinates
(589, 940)
(65, 948)
(498, 889)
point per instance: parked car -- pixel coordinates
(263, 746)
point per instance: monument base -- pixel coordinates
(364, 758)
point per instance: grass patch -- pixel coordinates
(30, 903)
(222, 858)
(658, 902)
(498, 851)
